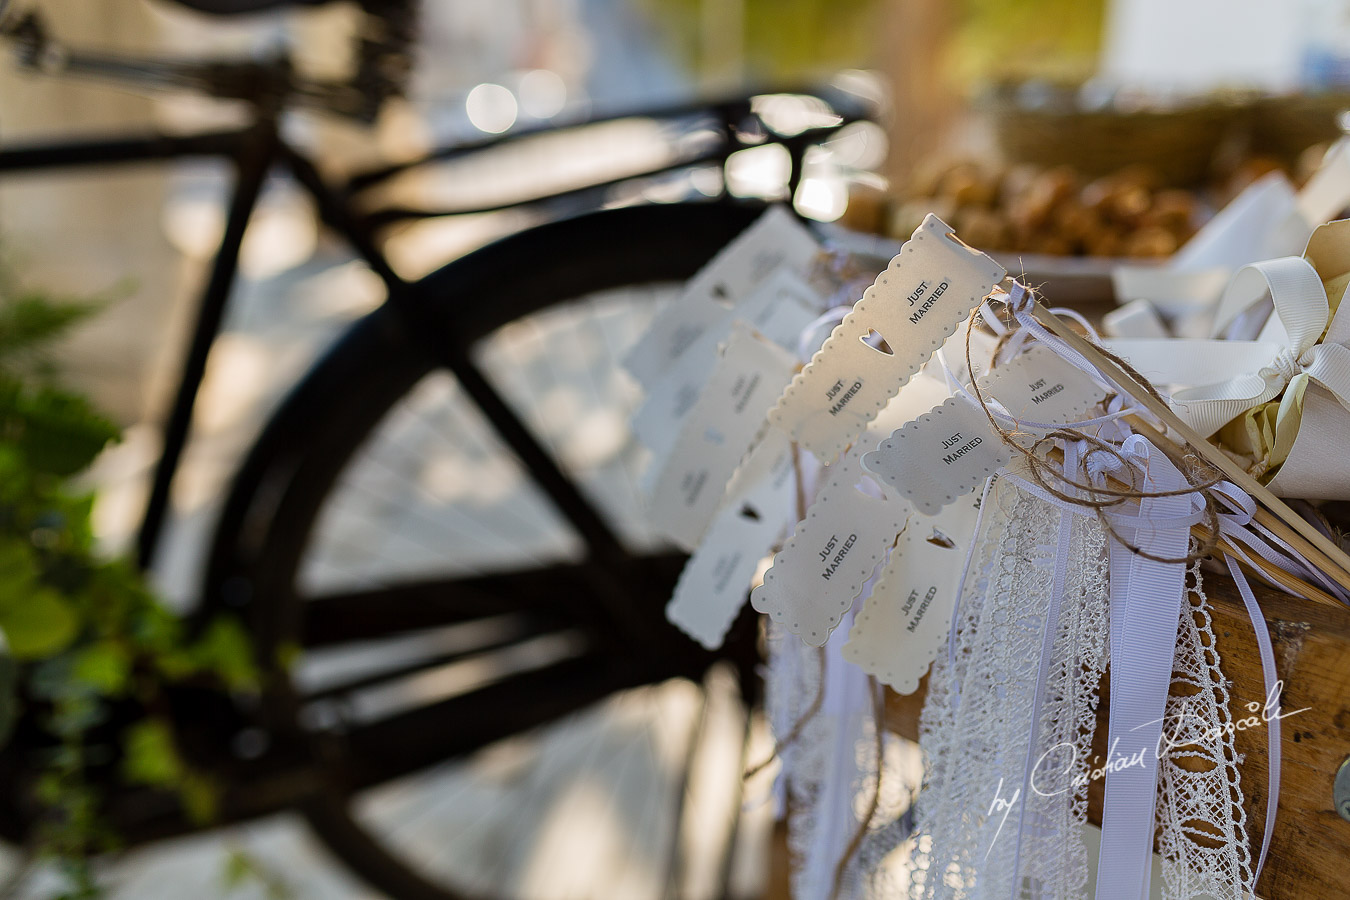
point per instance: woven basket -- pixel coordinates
(1179, 145)
(1286, 126)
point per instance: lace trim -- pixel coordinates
(976, 738)
(976, 726)
(1203, 825)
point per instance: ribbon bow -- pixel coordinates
(1291, 349)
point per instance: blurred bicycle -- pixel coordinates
(435, 542)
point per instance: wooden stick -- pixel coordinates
(1339, 567)
(1272, 572)
(1263, 517)
(1259, 565)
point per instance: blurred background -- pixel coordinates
(1074, 130)
(1194, 93)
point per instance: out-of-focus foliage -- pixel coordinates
(993, 40)
(1013, 40)
(87, 650)
(782, 39)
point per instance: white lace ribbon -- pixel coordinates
(1141, 603)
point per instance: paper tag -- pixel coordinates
(716, 580)
(822, 568)
(675, 328)
(779, 309)
(914, 305)
(1040, 386)
(775, 239)
(940, 456)
(718, 433)
(905, 620)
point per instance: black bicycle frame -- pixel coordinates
(253, 151)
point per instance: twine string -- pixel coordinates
(1200, 476)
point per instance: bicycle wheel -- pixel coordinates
(436, 595)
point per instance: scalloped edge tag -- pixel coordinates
(1041, 386)
(905, 620)
(776, 239)
(716, 580)
(779, 308)
(718, 433)
(921, 298)
(823, 567)
(939, 456)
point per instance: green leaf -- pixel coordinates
(225, 650)
(200, 798)
(238, 870)
(58, 432)
(104, 666)
(18, 573)
(151, 756)
(38, 625)
(243, 869)
(31, 321)
(35, 621)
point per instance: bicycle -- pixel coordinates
(581, 621)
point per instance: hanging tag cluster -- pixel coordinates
(975, 479)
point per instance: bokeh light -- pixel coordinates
(491, 108)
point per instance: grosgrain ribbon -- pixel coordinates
(1145, 607)
(1235, 524)
(1257, 371)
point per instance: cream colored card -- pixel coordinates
(940, 456)
(776, 239)
(905, 620)
(822, 568)
(676, 327)
(921, 298)
(718, 433)
(1040, 386)
(716, 580)
(779, 309)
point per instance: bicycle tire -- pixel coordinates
(269, 520)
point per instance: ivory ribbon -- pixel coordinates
(1300, 355)
(1223, 379)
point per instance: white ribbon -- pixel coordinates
(1143, 638)
(1146, 598)
(1048, 634)
(1252, 372)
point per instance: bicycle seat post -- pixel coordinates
(252, 164)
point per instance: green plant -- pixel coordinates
(780, 39)
(1055, 40)
(83, 637)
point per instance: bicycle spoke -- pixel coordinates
(568, 499)
(374, 613)
(486, 636)
(405, 742)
